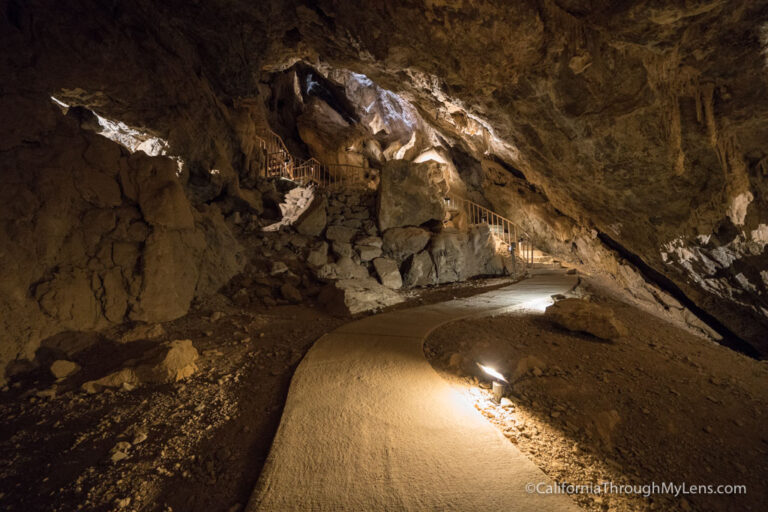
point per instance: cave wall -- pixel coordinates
(94, 235)
(139, 64)
(644, 120)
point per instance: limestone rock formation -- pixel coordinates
(583, 316)
(98, 236)
(411, 194)
(399, 243)
(170, 362)
(419, 271)
(312, 222)
(388, 273)
(459, 256)
(353, 296)
(618, 137)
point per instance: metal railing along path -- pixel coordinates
(507, 232)
(279, 162)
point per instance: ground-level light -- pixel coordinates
(497, 386)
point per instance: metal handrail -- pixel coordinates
(280, 162)
(506, 231)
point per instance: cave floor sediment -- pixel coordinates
(369, 424)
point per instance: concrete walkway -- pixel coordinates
(370, 426)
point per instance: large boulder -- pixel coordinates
(167, 363)
(154, 185)
(460, 256)
(419, 270)
(581, 316)
(388, 273)
(344, 268)
(399, 243)
(449, 254)
(411, 194)
(312, 222)
(169, 275)
(353, 296)
(485, 257)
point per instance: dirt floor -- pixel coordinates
(197, 445)
(659, 405)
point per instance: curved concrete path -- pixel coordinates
(370, 426)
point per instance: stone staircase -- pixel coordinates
(511, 239)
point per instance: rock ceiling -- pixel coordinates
(640, 123)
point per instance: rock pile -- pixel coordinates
(350, 254)
(420, 245)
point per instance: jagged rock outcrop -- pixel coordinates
(400, 243)
(419, 270)
(411, 194)
(459, 256)
(94, 235)
(632, 121)
(312, 222)
(388, 272)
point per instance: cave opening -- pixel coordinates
(292, 257)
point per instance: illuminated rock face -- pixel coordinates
(411, 194)
(643, 122)
(97, 236)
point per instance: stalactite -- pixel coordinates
(705, 95)
(676, 137)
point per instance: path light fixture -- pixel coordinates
(498, 378)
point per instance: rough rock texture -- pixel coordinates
(94, 235)
(399, 243)
(337, 233)
(170, 362)
(631, 120)
(353, 296)
(411, 194)
(641, 121)
(344, 268)
(583, 316)
(388, 273)
(459, 256)
(61, 369)
(368, 252)
(419, 270)
(318, 256)
(312, 222)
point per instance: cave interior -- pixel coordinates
(247, 247)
